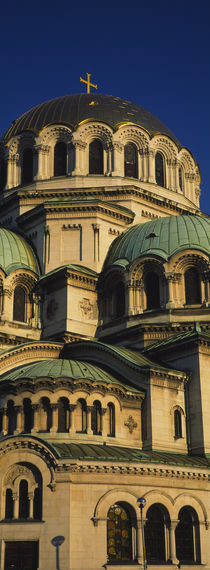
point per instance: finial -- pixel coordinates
(87, 81)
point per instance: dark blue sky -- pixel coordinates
(155, 54)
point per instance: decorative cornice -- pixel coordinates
(163, 472)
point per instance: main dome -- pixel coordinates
(162, 237)
(73, 109)
(16, 253)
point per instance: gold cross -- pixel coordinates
(88, 82)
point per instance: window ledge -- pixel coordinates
(21, 521)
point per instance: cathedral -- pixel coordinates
(104, 342)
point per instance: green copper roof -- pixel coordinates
(73, 109)
(63, 368)
(93, 452)
(162, 237)
(16, 253)
(71, 267)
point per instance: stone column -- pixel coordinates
(13, 177)
(118, 152)
(172, 539)
(151, 156)
(54, 428)
(41, 151)
(103, 411)
(72, 428)
(79, 166)
(5, 422)
(146, 165)
(16, 505)
(19, 412)
(31, 504)
(36, 410)
(170, 280)
(89, 411)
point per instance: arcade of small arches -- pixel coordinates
(96, 150)
(166, 540)
(151, 287)
(18, 301)
(59, 417)
(22, 493)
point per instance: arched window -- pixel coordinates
(131, 160)
(28, 415)
(60, 159)
(46, 415)
(63, 415)
(37, 509)
(12, 417)
(152, 290)
(159, 169)
(82, 406)
(111, 419)
(188, 537)
(96, 419)
(119, 299)
(177, 424)
(9, 505)
(19, 304)
(27, 166)
(192, 286)
(156, 530)
(3, 174)
(96, 157)
(119, 533)
(181, 184)
(23, 500)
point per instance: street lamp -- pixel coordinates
(141, 503)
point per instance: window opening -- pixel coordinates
(82, 415)
(19, 305)
(23, 500)
(9, 506)
(27, 166)
(188, 536)
(155, 533)
(152, 290)
(60, 159)
(63, 415)
(12, 417)
(192, 286)
(177, 424)
(131, 160)
(96, 419)
(111, 419)
(119, 534)
(28, 415)
(159, 169)
(96, 157)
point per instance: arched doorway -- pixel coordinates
(156, 529)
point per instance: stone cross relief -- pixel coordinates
(131, 424)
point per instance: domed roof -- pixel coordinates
(72, 109)
(16, 253)
(162, 237)
(63, 368)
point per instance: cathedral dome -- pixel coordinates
(162, 237)
(73, 109)
(16, 253)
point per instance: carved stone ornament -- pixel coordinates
(17, 471)
(131, 424)
(86, 308)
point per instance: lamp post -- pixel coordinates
(141, 503)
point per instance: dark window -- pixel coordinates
(96, 157)
(119, 299)
(3, 174)
(46, 414)
(27, 166)
(159, 169)
(152, 290)
(96, 419)
(23, 500)
(12, 417)
(28, 415)
(181, 178)
(60, 159)
(177, 424)
(82, 415)
(188, 536)
(38, 504)
(21, 555)
(111, 419)
(63, 415)
(157, 522)
(19, 306)
(131, 160)
(192, 287)
(119, 534)
(9, 506)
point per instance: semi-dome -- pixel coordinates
(16, 253)
(73, 109)
(62, 368)
(162, 237)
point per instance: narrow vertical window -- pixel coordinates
(23, 500)
(19, 305)
(181, 178)
(96, 418)
(96, 157)
(82, 415)
(159, 169)
(177, 424)
(156, 534)
(131, 160)
(12, 417)
(9, 506)
(192, 286)
(3, 174)
(152, 290)
(63, 415)
(27, 166)
(188, 537)
(60, 159)
(111, 419)
(28, 415)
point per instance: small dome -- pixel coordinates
(16, 253)
(73, 109)
(162, 237)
